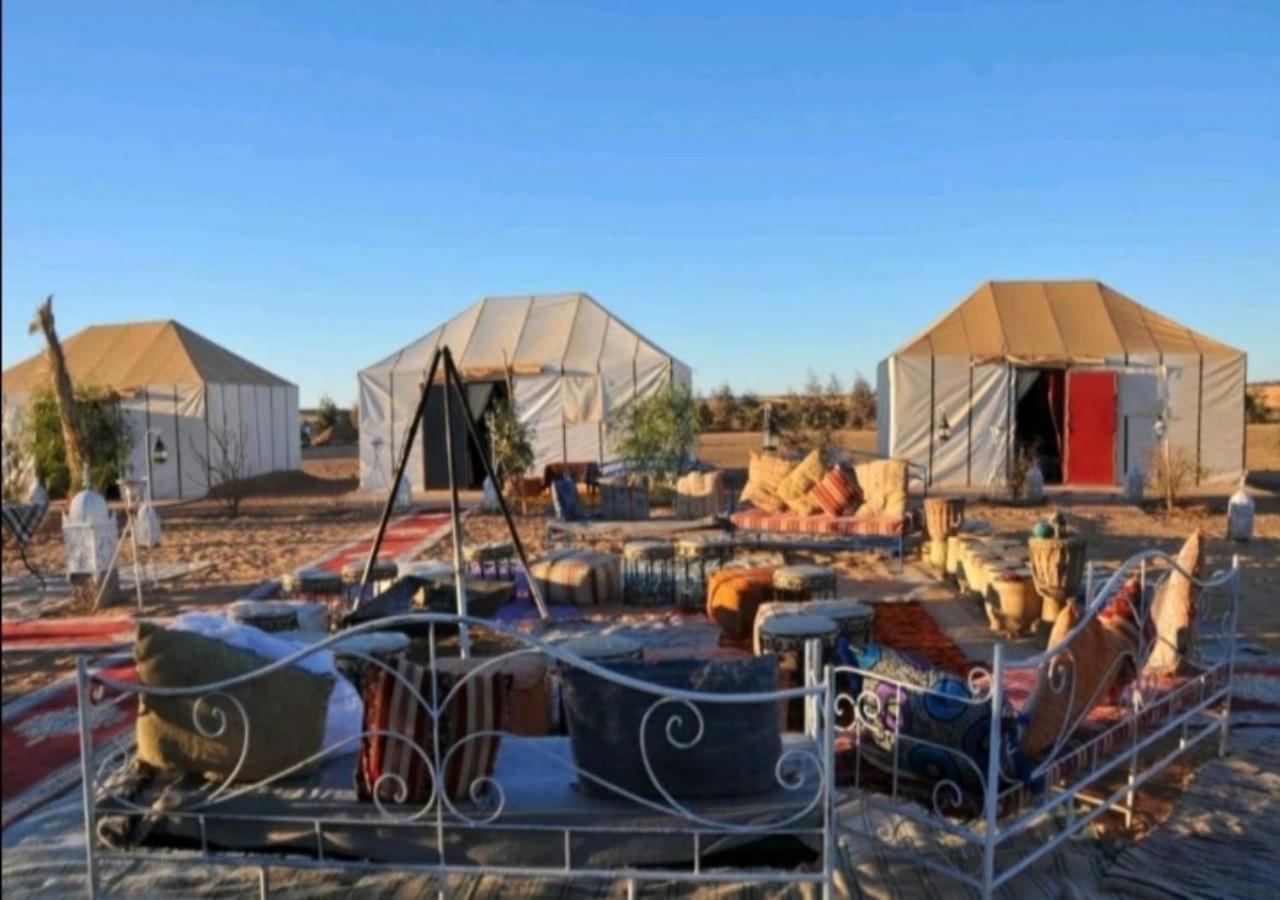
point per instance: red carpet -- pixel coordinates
(84, 632)
(42, 745)
(404, 536)
(908, 627)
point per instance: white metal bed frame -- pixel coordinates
(958, 842)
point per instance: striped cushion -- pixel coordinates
(836, 493)
(398, 731)
(759, 520)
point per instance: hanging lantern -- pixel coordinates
(159, 452)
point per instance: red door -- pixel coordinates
(1091, 428)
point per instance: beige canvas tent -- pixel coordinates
(572, 365)
(1074, 369)
(185, 387)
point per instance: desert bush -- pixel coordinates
(512, 444)
(327, 412)
(104, 434)
(1025, 457)
(227, 461)
(18, 467)
(815, 417)
(1255, 411)
(862, 404)
(1171, 472)
(655, 434)
(724, 409)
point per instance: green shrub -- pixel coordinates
(655, 434)
(105, 434)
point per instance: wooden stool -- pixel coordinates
(800, 583)
(493, 556)
(648, 573)
(696, 558)
(785, 636)
(318, 586)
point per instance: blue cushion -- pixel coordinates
(564, 496)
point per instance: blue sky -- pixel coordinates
(314, 185)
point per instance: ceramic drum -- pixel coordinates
(786, 636)
(1057, 565)
(800, 583)
(267, 615)
(648, 573)
(854, 621)
(943, 516)
(696, 558)
(1019, 605)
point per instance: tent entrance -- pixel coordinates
(467, 459)
(1038, 419)
(1091, 428)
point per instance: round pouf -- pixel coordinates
(318, 586)
(373, 647)
(854, 621)
(648, 573)
(786, 636)
(267, 615)
(696, 558)
(799, 583)
(491, 558)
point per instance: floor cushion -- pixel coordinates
(1100, 663)
(579, 577)
(794, 488)
(837, 493)
(734, 597)
(764, 473)
(700, 494)
(400, 731)
(883, 483)
(286, 709)
(939, 735)
(1173, 610)
(735, 753)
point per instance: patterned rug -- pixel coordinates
(405, 538)
(41, 742)
(80, 633)
(907, 626)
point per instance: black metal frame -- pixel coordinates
(453, 394)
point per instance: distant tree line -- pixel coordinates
(818, 408)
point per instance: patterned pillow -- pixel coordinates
(941, 734)
(836, 493)
(1173, 610)
(794, 489)
(883, 483)
(399, 731)
(763, 476)
(1100, 663)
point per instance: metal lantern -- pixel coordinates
(89, 535)
(159, 453)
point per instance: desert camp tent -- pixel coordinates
(1074, 369)
(572, 364)
(183, 386)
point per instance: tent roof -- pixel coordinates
(531, 333)
(137, 354)
(1056, 321)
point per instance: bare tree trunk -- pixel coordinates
(68, 414)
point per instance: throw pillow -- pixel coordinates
(836, 493)
(763, 476)
(400, 731)
(732, 751)
(883, 483)
(1173, 610)
(1100, 664)
(795, 487)
(286, 709)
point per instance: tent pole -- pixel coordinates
(453, 378)
(459, 574)
(395, 482)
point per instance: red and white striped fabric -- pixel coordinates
(759, 520)
(836, 493)
(399, 730)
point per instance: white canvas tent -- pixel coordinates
(953, 398)
(182, 385)
(572, 365)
